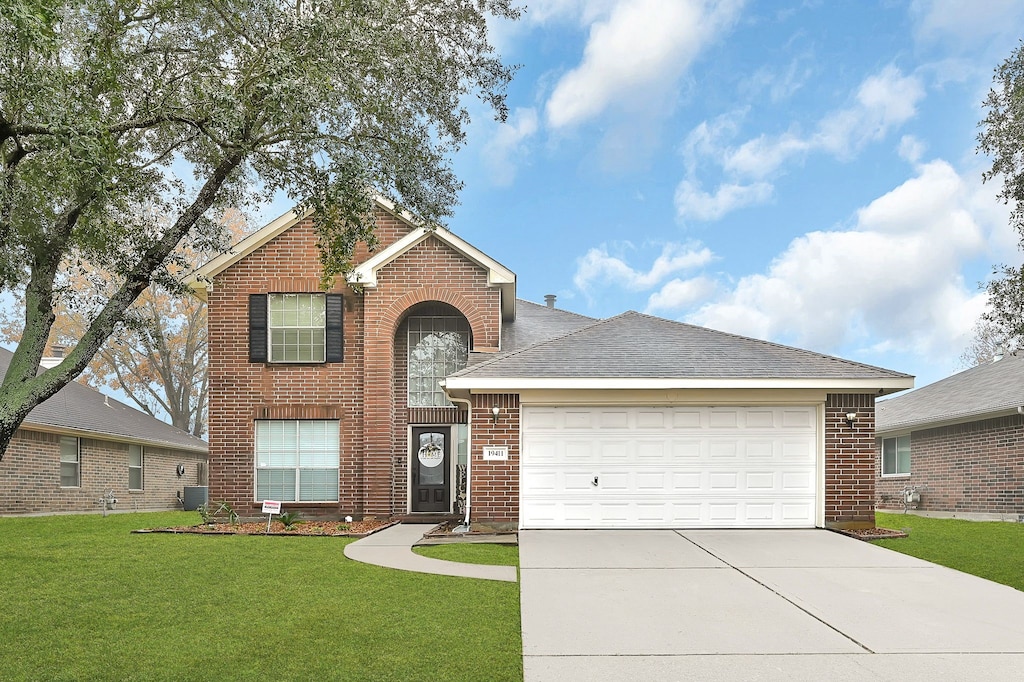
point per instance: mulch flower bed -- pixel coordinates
(872, 533)
(353, 529)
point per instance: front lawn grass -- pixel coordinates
(472, 553)
(990, 549)
(85, 599)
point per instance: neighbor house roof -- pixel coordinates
(991, 390)
(78, 410)
(633, 350)
(365, 274)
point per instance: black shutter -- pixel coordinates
(335, 328)
(257, 327)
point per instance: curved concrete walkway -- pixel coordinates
(392, 548)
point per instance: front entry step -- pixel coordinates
(426, 518)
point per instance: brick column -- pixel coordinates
(850, 461)
(494, 485)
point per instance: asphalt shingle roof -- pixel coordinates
(976, 392)
(80, 408)
(634, 345)
(536, 323)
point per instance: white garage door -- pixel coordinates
(670, 467)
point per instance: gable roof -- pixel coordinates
(991, 390)
(633, 350)
(200, 280)
(78, 410)
(365, 274)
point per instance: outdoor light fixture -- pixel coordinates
(850, 418)
(495, 411)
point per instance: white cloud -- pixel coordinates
(598, 266)
(884, 101)
(503, 151)
(894, 278)
(692, 202)
(965, 22)
(636, 54)
(911, 148)
(680, 294)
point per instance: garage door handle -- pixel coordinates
(594, 482)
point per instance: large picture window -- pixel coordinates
(896, 456)
(70, 462)
(438, 346)
(297, 460)
(135, 463)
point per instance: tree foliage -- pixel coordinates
(1002, 138)
(990, 341)
(189, 106)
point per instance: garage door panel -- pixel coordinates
(734, 467)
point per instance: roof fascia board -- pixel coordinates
(200, 281)
(907, 427)
(483, 384)
(365, 274)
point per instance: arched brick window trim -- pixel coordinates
(390, 319)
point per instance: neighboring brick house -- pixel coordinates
(958, 442)
(79, 444)
(382, 395)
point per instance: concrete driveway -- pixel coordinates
(756, 605)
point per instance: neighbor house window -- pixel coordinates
(896, 456)
(135, 459)
(296, 328)
(438, 346)
(297, 460)
(70, 462)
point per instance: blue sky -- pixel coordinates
(799, 172)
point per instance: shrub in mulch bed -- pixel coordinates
(353, 529)
(872, 533)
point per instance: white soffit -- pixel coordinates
(491, 384)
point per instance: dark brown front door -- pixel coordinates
(430, 461)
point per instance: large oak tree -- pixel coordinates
(186, 107)
(1002, 138)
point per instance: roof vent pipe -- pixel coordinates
(549, 299)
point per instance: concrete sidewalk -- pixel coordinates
(392, 547)
(764, 605)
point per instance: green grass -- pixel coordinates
(85, 599)
(990, 549)
(472, 553)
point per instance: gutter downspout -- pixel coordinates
(469, 449)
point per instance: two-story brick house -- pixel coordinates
(422, 384)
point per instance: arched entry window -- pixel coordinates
(438, 346)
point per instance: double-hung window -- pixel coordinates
(135, 463)
(296, 328)
(896, 456)
(297, 460)
(70, 462)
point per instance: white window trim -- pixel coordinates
(78, 463)
(881, 458)
(271, 328)
(298, 478)
(141, 468)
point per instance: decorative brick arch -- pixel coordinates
(389, 320)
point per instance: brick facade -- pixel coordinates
(30, 476)
(971, 468)
(849, 461)
(494, 485)
(366, 392)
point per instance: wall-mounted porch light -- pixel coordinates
(495, 411)
(850, 418)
